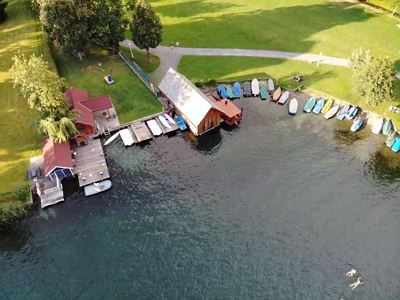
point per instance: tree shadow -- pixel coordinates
(384, 164)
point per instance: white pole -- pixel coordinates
(130, 47)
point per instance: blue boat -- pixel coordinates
(358, 122)
(396, 145)
(180, 123)
(387, 127)
(229, 92)
(318, 107)
(352, 112)
(342, 113)
(391, 139)
(222, 91)
(236, 89)
(309, 105)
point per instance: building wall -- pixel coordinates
(211, 120)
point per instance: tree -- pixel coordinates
(3, 14)
(60, 130)
(372, 76)
(146, 27)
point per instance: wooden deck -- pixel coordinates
(141, 132)
(90, 164)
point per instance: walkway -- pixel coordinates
(170, 57)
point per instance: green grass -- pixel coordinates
(19, 138)
(141, 59)
(329, 80)
(332, 27)
(387, 4)
(129, 95)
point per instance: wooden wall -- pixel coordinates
(211, 120)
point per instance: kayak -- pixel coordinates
(113, 137)
(318, 107)
(255, 87)
(358, 122)
(332, 111)
(277, 94)
(309, 105)
(377, 127)
(222, 92)
(391, 138)
(293, 105)
(342, 113)
(352, 112)
(164, 121)
(263, 91)
(169, 119)
(396, 145)
(271, 86)
(283, 98)
(236, 89)
(229, 92)
(387, 127)
(327, 106)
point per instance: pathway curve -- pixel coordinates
(170, 57)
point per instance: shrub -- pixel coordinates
(21, 193)
(10, 214)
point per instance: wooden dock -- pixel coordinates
(164, 129)
(141, 132)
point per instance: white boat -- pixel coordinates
(255, 87)
(377, 127)
(293, 105)
(283, 98)
(126, 137)
(97, 187)
(154, 128)
(331, 112)
(271, 86)
(164, 121)
(169, 119)
(113, 137)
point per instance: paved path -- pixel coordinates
(170, 57)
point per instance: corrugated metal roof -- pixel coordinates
(185, 96)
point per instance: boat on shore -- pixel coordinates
(391, 138)
(271, 86)
(247, 89)
(396, 145)
(327, 106)
(352, 112)
(126, 137)
(229, 92)
(358, 122)
(332, 112)
(111, 139)
(318, 107)
(222, 91)
(255, 87)
(97, 187)
(154, 128)
(387, 127)
(180, 123)
(343, 111)
(277, 94)
(164, 121)
(236, 90)
(263, 91)
(284, 97)
(169, 119)
(308, 107)
(293, 106)
(377, 127)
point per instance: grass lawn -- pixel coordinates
(388, 4)
(333, 27)
(141, 59)
(130, 97)
(19, 137)
(330, 80)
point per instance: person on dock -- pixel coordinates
(351, 273)
(359, 281)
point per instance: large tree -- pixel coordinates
(372, 76)
(146, 27)
(3, 14)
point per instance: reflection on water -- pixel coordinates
(384, 164)
(343, 134)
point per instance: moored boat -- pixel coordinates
(126, 137)
(112, 138)
(229, 92)
(293, 106)
(352, 112)
(277, 94)
(263, 91)
(391, 138)
(318, 107)
(154, 128)
(284, 97)
(309, 105)
(180, 122)
(271, 86)
(342, 113)
(377, 126)
(358, 122)
(247, 89)
(97, 187)
(396, 145)
(387, 127)
(255, 87)
(330, 113)
(169, 119)
(236, 90)
(327, 106)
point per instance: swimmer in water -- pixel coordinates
(359, 281)
(351, 273)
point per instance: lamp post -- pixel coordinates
(130, 47)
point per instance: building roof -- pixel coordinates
(76, 97)
(228, 108)
(189, 100)
(99, 103)
(56, 156)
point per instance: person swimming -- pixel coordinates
(359, 281)
(351, 273)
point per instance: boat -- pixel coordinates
(330, 113)
(277, 94)
(222, 91)
(358, 122)
(229, 92)
(387, 127)
(342, 113)
(112, 138)
(318, 106)
(377, 127)
(126, 137)
(271, 86)
(327, 106)
(236, 89)
(283, 98)
(352, 112)
(293, 105)
(154, 128)
(169, 119)
(263, 91)
(255, 87)
(391, 138)
(309, 105)
(180, 123)
(396, 145)
(164, 121)
(247, 89)
(97, 187)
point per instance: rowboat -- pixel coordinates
(229, 92)
(358, 122)
(342, 113)
(112, 138)
(277, 94)
(255, 87)
(396, 145)
(180, 122)
(236, 89)
(318, 107)
(293, 105)
(387, 127)
(391, 138)
(352, 112)
(271, 86)
(154, 128)
(222, 91)
(247, 89)
(330, 113)
(377, 127)
(164, 121)
(263, 91)
(169, 119)
(327, 106)
(283, 98)
(126, 137)
(97, 187)
(309, 105)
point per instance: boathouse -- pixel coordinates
(190, 103)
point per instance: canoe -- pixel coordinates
(180, 123)
(293, 106)
(113, 137)
(342, 113)
(396, 145)
(387, 127)
(283, 98)
(236, 89)
(358, 122)
(97, 187)
(164, 121)
(263, 91)
(169, 119)
(318, 107)
(247, 89)
(271, 86)
(391, 138)
(229, 92)
(377, 127)
(126, 137)
(309, 105)
(255, 87)
(352, 112)
(327, 106)
(277, 94)
(154, 128)
(222, 92)
(330, 113)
